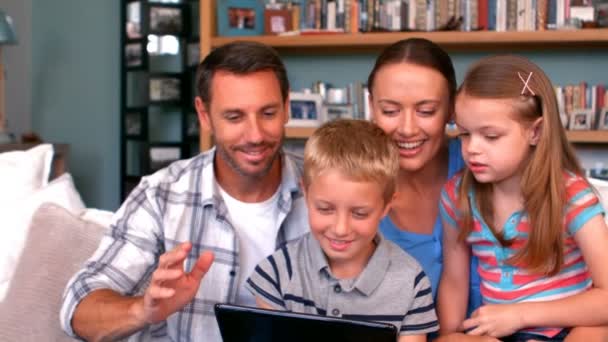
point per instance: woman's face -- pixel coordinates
(411, 103)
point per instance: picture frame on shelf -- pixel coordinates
(240, 18)
(166, 20)
(277, 21)
(135, 124)
(193, 54)
(135, 55)
(164, 88)
(338, 111)
(581, 119)
(603, 119)
(161, 155)
(133, 24)
(305, 110)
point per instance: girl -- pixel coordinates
(525, 211)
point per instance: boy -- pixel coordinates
(344, 267)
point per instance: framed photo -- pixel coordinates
(166, 20)
(135, 124)
(193, 54)
(165, 89)
(277, 21)
(581, 119)
(305, 110)
(135, 55)
(161, 156)
(603, 119)
(133, 28)
(240, 17)
(192, 126)
(338, 111)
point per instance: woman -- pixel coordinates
(412, 88)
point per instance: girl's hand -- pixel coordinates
(494, 320)
(459, 337)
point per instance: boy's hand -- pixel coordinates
(494, 320)
(171, 288)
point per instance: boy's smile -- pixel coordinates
(344, 216)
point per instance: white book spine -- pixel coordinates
(331, 15)
(561, 13)
(412, 15)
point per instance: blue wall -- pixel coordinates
(75, 89)
(76, 84)
(566, 66)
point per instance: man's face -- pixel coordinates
(247, 117)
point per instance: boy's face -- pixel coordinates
(344, 215)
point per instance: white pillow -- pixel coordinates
(23, 172)
(17, 216)
(100, 217)
(602, 187)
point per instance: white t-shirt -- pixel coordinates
(256, 226)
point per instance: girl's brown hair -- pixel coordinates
(542, 183)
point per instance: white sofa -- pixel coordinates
(47, 236)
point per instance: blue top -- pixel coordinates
(427, 248)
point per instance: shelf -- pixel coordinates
(588, 137)
(451, 40)
(299, 132)
(576, 137)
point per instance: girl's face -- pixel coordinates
(411, 103)
(495, 146)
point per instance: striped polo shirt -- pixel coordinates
(391, 289)
(502, 282)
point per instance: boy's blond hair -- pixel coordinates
(358, 149)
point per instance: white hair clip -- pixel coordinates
(526, 86)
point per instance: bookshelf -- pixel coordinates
(575, 137)
(156, 115)
(449, 40)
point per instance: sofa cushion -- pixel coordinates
(17, 216)
(57, 246)
(23, 172)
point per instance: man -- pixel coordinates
(189, 235)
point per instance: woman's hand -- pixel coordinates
(494, 320)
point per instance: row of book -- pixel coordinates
(429, 15)
(583, 106)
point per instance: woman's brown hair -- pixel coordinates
(417, 51)
(542, 182)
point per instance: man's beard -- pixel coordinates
(238, 169)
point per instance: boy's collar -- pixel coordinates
(373, 273)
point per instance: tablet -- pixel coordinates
(246, 324)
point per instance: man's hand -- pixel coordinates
(494, 320)
(171, 288)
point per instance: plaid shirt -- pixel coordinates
(177, 204)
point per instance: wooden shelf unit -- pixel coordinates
(449, 40)
(588, 137)
(575, 137)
